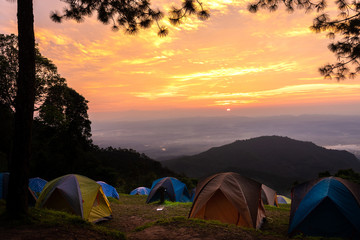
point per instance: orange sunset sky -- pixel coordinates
(247, 63)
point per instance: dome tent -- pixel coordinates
(140, 191)
(171, 188)
(78, 195)
(268, 195)
(229, 198)
(37, 185)
(283, 200)
(328, 207)
(109, 190)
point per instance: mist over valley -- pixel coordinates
(167, 138)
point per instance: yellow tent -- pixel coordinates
(78, 195)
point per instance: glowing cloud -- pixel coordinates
(305, 91)
(225, 72)
(235, 58)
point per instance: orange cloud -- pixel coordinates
(234, 58)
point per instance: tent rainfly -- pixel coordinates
(328, 207)
(78, 195)
(229, 198)
(283, 200)
(109, 190)
(37, 185)
(140, 191)
(268, 196)
(170, 189)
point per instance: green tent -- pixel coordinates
(78, 195)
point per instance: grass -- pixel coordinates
(174, 215)
(133, 219)
(46, 218)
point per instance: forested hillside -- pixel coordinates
(58, 152)
(273, 160)
(61, 138)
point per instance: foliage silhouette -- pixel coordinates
(129, 14)
(345, 27)
(62, 132)
(348, 174)
(46, 74)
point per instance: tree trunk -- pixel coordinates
(17, 204)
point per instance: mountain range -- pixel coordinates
(276, 161)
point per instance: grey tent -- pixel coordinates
(268, 195)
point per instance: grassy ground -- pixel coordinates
(134, 219)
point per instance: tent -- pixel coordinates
(229, 198)
(140, 191)
(170, 188)
(268, 196)
(78, 195)
(109, 190)
(4, 183)
(283, 200)
(36, 185)
(192, 194)
(328, 207)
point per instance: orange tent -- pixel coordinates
(229, 198)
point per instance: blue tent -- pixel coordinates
(4, 182)
(109, 190)
(173, 190)
(328, 207)
(192, 194)
(36, 185)
(140, 191)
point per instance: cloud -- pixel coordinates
(226, 72)
(168, 91)
(303, 91)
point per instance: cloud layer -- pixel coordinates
(234, 59)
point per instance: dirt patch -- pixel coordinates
(180, 233)
(161, 232)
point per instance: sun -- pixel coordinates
(228, 109)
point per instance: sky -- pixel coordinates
(236, 62)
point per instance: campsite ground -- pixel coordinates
(133, 219)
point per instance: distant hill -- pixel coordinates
(167, 138)
(273, 160)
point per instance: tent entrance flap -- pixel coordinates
(100, 209)
(229, 198)
(220, 208)
(326, 220)
(57, 201)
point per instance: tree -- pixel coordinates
(10, 72)
(62, 134)
(348, 174)
(129, 14)
(66, 110)
(345, 27)
(16, 203)
(46, 74)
